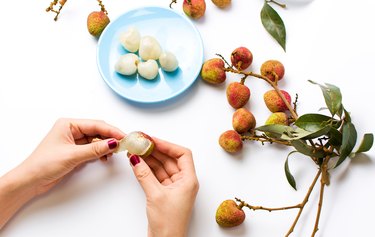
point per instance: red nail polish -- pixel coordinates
(112, 144)
(134, 159)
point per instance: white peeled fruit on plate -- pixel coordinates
(149, 69)
(149, 48)
(127, 64)
(137, 143)
(130, 39)
(168, 61)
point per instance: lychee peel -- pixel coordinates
(137, 143)
(274, 102)
(230, 141)
(237, 94)
(229, 214)
(96, 22)
(243, 120)
(213, 71)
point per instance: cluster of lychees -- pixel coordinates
(238, 94)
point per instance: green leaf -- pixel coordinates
(286, 132)
(349, 138)
(302, 147)
(289, 175)
(313, 122)
(366, 144)
(332, 97)
(335, 138)
(275, 129)
(273, 23)
(348, 118)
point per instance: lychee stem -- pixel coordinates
(173, 1)
(264, 139)
(277, 3)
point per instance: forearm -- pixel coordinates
(15, 191)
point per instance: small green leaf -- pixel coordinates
(332, 97)
(289, 175)
(349, 138)
(348, 118)
(313, 122)
(366, 144)
(275, 129)
(302, 147)
(273, 23)
(335, 138)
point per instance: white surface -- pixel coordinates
(48, 70)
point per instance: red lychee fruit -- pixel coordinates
(213, 71)
(222, 3)
(241, 58)
(272, 69)
(230, 141)
(243, 120)
(194, 8)
(278, 118)
(237, 94)
(229, 214)
(96, 22)
(273, 101)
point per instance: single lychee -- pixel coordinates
(222, 3)
(278, 118)
(230, 141)
(237, 94)
(272, 69)
(96, 22)
(241, 58)
(243, 120)
(273, 101)
(137, 143)
(194, 8)
(213, 71)
(229, 214)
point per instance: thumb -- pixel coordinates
(144, 175)
(95, 150)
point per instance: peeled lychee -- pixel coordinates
(149, 69)
(273, 101)
(222, 3)
(130, 39)
(137, 143)
(243, 120)
(149, 48)
(272, 69)
(230, 141)
(278, 118)
(194, 8)
(127, 64)
(229, 214)
(237, 94)
(168, 61)
(213, 71)
(241, 58)
(96, 22)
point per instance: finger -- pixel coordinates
(144, 175)
(158, 169)
(83, 127)
(169, 164)
(94, 150)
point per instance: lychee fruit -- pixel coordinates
(213, 71)
(229, 214)
(194, 8)
(237, 94)
(96, 22)
(137, 143)
(241, 58)
(273, 101)
(272, 69)
(243, 120)
(222, 3)
(278, 118)
(230, 141)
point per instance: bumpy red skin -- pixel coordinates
(228, 214)
(272, 67)
(194, 8)
(96, 22)
(243, 120)
(237, 94)
(273, 101)
(213, 71)
(241, 58)
(151, 149)
(230, 141)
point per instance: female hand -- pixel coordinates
(65, 147)
(170, 183)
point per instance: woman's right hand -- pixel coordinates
(170, 183)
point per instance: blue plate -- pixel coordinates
(174, 32)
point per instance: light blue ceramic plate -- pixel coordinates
(174, 32)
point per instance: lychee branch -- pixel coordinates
(264, 139)
(277, 3)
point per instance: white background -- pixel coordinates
(48, 70)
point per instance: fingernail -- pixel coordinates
(112, 144)
(134, 159)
